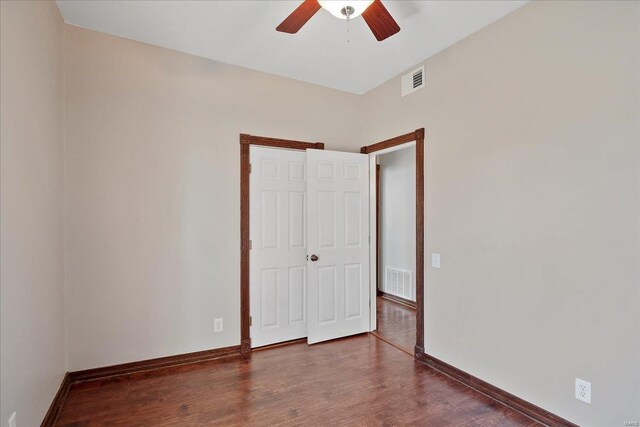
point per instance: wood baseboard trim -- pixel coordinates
(52, 414)
(530, 410)
(153, 364)
(245, 346)
(71, 378)
(399, 300)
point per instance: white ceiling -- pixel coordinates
(243, 33)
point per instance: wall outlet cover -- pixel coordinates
(218, 326)
(435, 260)
(583, 390)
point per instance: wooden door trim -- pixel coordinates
(246, 141)
(392, 142)
(418, 137)
(377, 228)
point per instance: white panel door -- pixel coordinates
(277, 199)
(338, 236)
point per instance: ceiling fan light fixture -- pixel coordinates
(338, 7)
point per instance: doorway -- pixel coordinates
(305, 242)
(339, 171)
(395, 229)
(246, 142)
(399, 276)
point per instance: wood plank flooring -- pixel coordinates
(396, 324)
(356, 381)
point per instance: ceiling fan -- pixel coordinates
(374, 13)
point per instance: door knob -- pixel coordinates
(314, 257)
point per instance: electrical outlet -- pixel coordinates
(12, 420)
(583, 390)
(435, 260)
(217, 325)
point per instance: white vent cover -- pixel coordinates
(413, 81)
(398, 282)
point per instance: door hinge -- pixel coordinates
(250, 320)
(250, 168)
(250, 244)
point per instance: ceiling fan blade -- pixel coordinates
(299, 17)
(380, 21)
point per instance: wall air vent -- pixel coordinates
(412, 81)
(399, 282)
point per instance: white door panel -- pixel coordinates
(338, 233)
(278, 245)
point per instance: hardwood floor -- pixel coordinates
(359, 380)
(396, 324)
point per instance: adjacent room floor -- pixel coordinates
(396, 324)
(359, 380)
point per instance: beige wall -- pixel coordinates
(532, 199)
(32, 225)
(153, 193)
(532, 193)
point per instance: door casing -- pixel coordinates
(246, 140)
(416, 136)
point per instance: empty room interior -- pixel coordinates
(320, 213)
